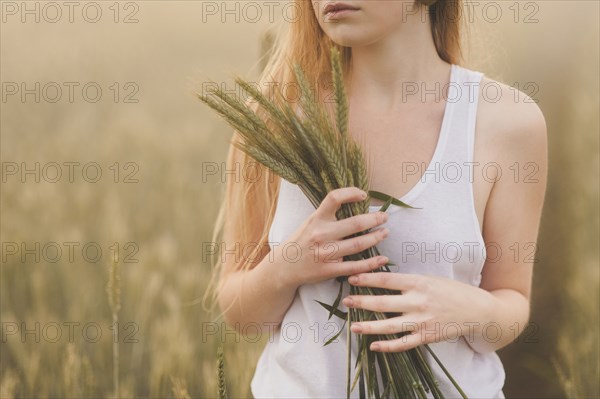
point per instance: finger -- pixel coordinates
(354, 245)
(401, 344)
(379, 303)
(393, 325)
(349, 267)
(358, 223)
(394, 281)
(335, 198)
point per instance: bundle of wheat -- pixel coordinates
(309, 150)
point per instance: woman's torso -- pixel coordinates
(442, 238)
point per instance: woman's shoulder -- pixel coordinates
(509, 118)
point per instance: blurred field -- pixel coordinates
(162, 220)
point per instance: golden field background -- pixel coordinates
(164, 139)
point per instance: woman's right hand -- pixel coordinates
(321, 244)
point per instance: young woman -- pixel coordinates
(435, 136)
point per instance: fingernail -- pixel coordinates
(353, 279)
(383, 260)
(375, 347)
(356, 328)
(347, 301)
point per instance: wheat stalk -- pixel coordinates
(221, 373)
(113, 290)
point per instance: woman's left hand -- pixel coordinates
(433, 308)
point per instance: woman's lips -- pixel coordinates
(338, 10)
(337, 14)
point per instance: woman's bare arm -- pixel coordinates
(517, 129)
(259, 295)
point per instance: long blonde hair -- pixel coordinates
(249, 205)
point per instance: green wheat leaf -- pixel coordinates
(339, 313)
(384, 197)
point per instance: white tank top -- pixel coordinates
(443, 238)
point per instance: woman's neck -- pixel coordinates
(380, 70)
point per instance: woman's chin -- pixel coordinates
(350, 40)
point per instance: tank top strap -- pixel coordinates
(463, 94)
(473, 80)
